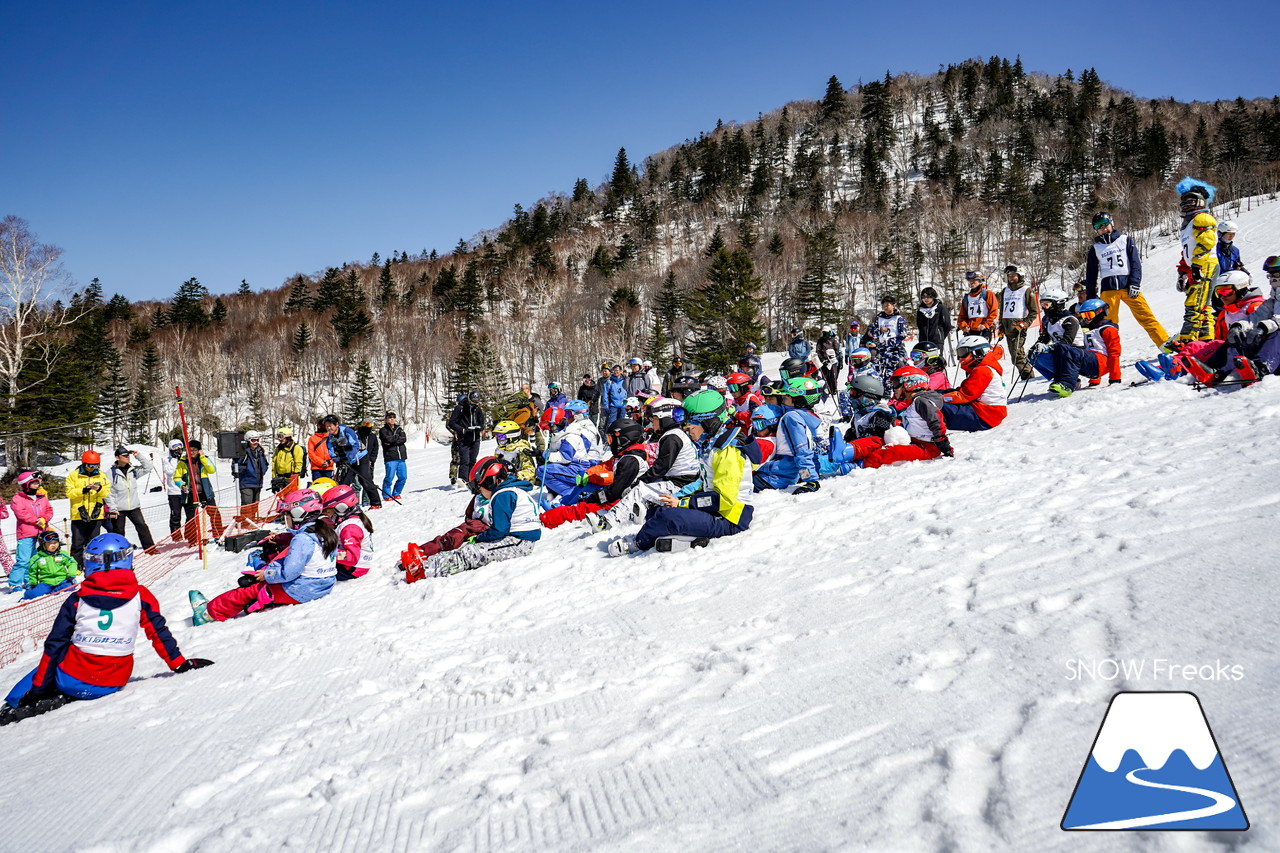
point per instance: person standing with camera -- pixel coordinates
(126, 497)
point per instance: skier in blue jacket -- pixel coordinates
(346, 449)
(799, 347)
(613, 394)
(794, 463)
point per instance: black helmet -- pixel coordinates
(793, 368)
(686, 384)
(331, 419)
(623, 433)
(1195, 198)
(926, 354)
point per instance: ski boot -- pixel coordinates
(1250, 370)
(1201, 372)
(1060, 389)
(598, 522)
(1171, 365)
(622, 546)
(667, 544)
(199, 608)
(1151, 370)
(805, 488)
(411, 560)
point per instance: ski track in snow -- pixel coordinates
(878, 666)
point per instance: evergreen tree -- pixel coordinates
(92, 298)
(187, 308)
(386, 285)
(245, 289)
(219, 313)
(302, 338)
(362, 397)
(776, 245)
(475, 369)
(723, 310)
(140, 417)
(299, 295)
(118, 309)
(331, 290)
(817, 296)
(716, 243)
(257, 418)
(835, 107)
(113, 398)
(582, 191)
(150, 380)
(658, 343)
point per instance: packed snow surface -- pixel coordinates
(888, 664)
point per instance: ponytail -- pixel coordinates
(368, 525)
(326, 535)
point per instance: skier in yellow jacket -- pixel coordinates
(87, 488)
(1199, 262)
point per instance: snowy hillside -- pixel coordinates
(883, 665)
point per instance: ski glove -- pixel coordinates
(193, 663)
(944, 446)
(1237, 334)
(1134, 290)
(1268, 328)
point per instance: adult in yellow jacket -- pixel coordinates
(288, 461)
(1198, 265)
(87, 488)
(722, 507)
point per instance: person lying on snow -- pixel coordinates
(614, 478)
(305, 572)
(501, 524)
(722, 510)
(89, 652)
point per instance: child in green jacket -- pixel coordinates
(52, 568)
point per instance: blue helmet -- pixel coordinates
(578, 407)
(1092, 310)
(108, 551)
(765, 417)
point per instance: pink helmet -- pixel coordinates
(27, 477)
(300, 506)
(342, 499)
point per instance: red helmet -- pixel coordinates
(553, 418)
(490, 472)
(909, 377)
(90, 457)
(739, 383)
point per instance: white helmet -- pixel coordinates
(252, 434)
(975, 345)
(1240, 282)
(646, 363)
(1229, 226)
(176, 444)
(719, 383)
(1053, 294)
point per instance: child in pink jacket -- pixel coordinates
(355, 545)
(33, 512)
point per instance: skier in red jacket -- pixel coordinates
(89, 652)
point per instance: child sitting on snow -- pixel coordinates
(514, 447)
(52, 568)
(615, 477)
(502, 524)
(355, 545)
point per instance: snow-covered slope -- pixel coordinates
(883, 665)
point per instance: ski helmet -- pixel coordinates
(633, 407)
(553, 386)
(926, 354)
(331, 419)
(1102, 219)
(797, 332)
(718, 383)
(1193, 200)
(1271, 266)
(792, 368)
(685, 384)
(975, 277)
(750, 347)
(707, 409)
(1054, 300)
(300, 506)
(343, 500)
(632, 361)
(860, 357)
(1236, 282)
(553, 419)
(910, 378)
(1014, 269)
(29, 480)
(322, 486)
(739, 383)
(1227, 227)
(867, 386)
(578, 407)
(505, 431)
(47, 536)
(489, 473)
(661, 407)
(176, 444)
(1092, 311)
(90, 457)
(972, 346)
(623, 433)
(804, 391)
(765, 418)
(108, 551)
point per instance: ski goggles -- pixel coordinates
(1224, 290)
(974, 276)
(108, 557)
(91, 469)
(1084, 315)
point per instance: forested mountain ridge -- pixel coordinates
(805, 216)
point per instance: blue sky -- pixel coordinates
(158, 141)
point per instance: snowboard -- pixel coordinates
(34, 709)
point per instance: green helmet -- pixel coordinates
(804, 391)
(706, 405)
